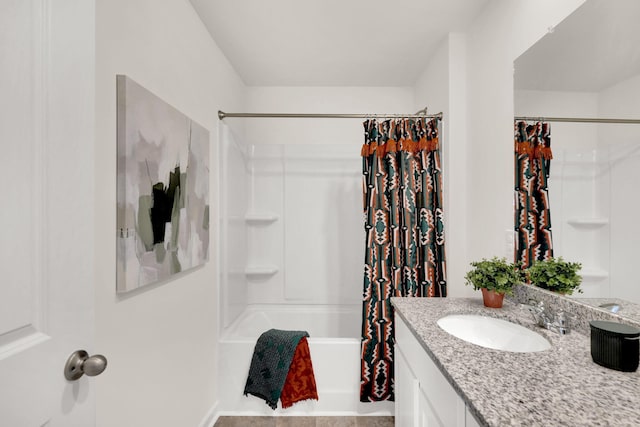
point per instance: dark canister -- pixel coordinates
(614, 345)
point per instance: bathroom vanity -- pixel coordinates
(423, 396)
(442, 380)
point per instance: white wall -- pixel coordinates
(442, 87)
(622, 142)
(320, 100)
(622, 101)
(503, 31)
(433, 85)
(160, 340)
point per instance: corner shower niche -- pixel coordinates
(264, 214)
(291, 225)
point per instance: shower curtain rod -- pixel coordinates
(223, 115)
(577, 120)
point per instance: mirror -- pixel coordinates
(589, 66)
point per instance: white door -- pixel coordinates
(47, 87)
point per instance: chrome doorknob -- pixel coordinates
(79, 363)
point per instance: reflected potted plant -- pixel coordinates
(557, 275)
(495, 277)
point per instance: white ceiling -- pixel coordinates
(594, 48)
(332, 42)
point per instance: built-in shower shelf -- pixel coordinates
(260, 218)
(588, 222)
(260, 270)
(594, 273)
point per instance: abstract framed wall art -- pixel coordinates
(162, 189)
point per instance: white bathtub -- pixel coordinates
(334, 344)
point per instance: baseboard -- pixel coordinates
(212, 416)
(279, 413)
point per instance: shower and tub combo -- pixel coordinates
(291, 258)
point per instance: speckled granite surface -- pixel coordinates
(557, 387)
(627, 309)
(583, 309)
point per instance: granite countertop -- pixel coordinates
(628, 309)
(561, 386)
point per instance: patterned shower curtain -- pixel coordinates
(403, 215)
(532, 216)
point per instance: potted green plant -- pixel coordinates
(496, 277)
(557, 275)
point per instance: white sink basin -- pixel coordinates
(493, 333)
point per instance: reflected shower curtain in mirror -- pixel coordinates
(403, 216)
(532, 215)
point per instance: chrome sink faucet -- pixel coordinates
(557, 322)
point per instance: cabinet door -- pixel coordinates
(470, 421)
(406, 392)
(436, 403)
(426, 414)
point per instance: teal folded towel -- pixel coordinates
(270, 364)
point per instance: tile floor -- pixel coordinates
(293, 421)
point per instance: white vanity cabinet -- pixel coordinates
(423, 396)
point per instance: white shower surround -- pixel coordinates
(291, 224)
(291, 257)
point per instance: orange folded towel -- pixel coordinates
(300, 383)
